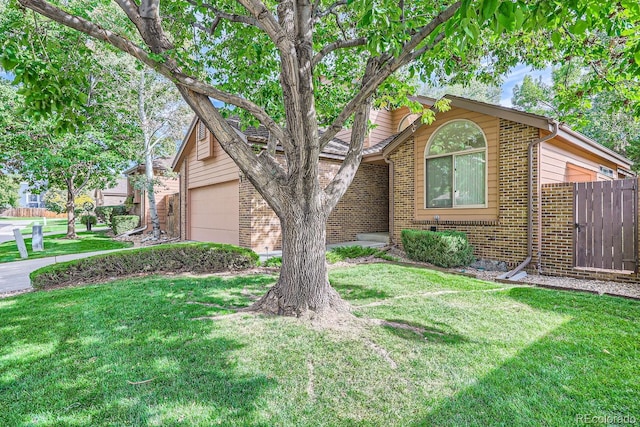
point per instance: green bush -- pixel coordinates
(341, 253)
(123, 223)
(104, 213)
(276, 261)
(88, 221)
(171, 258)
(442, 248)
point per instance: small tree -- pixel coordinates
(9, 187)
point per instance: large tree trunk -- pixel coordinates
(303, 288)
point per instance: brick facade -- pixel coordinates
(364, 208)
(558, 225)
(503, 239)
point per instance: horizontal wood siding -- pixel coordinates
(219, 168)
(556, 155)
(490, 127)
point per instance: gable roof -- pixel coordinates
(534, 120)
(335, 149)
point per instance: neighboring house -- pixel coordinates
(112, 196)
(27, 199)
(466, 171)
(166, 186)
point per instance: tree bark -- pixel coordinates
(303, 288)
(71, 211)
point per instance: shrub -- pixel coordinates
(123, 223)
(104, 213)
(341, 253)
(442, 248)
(276, 261)
(88, 221)
(173, 258)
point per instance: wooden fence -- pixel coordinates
(173, 215)
(31, 212)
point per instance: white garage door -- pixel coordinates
(214, 215)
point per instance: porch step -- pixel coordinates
(373, 237)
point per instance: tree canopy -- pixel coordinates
(304, 70)
(601, 115)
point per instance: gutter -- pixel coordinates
(527, 260)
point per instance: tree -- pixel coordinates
(600, 115)
(304, 71)
(68, 131)
(9, 187)
(484, 92)
(162, 118)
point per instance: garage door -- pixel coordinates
(214, 215)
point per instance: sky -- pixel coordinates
(515, 77)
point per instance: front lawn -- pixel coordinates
(57, 244)
(444, 351)
(53, 225)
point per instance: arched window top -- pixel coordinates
(456, 136)
(407, 120)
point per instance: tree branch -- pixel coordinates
(321, 13)
(139, 53)
(340, 44)
(269, 24)
(406, 55)
(219, 14)
(341, 181)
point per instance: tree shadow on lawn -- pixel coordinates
(588, 365)
(416, 331)
(98, 355)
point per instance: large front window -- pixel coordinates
(456, 166)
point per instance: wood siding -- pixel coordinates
(490, 127)
(213, 170)
(560, 162)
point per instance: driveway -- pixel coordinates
(6, 229)
(14, 276)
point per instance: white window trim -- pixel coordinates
(426, 157)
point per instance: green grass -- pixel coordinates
(480, 354)
(57, 244)
(53, 225)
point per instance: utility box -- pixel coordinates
(37, 241)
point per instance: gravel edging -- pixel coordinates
(599, 287)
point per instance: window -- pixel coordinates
(456, 166)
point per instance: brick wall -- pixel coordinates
(558, 225)
(363, 208)
(504, 239)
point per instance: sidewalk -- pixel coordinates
(14, 276)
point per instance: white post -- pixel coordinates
(20, 243)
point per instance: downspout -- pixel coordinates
(391, 196)
(527, 260)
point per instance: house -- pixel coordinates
(112, 196)
(28, 199)
(166, 185)
(467, 171)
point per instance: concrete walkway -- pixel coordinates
(14, 276)
(6, 229)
